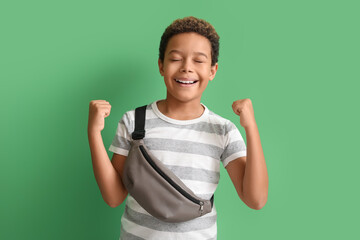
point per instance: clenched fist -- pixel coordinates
(98, 111)
(245, 110)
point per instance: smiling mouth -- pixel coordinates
(186, 83)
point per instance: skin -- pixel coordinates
(248, 174)
(183, 103)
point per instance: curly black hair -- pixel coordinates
(191, 24)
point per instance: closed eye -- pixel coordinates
(180, 60)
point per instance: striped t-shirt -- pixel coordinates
(193, 150)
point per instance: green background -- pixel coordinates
(298, 61)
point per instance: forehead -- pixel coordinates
(188, 43)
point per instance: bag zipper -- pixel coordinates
(169, 180)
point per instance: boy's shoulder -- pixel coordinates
(224, 123)
(130, 113)
(214, 117)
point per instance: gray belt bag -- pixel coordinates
(156, 188)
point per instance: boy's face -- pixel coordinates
(187, 55)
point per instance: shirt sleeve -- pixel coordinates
(234, 144)
(122, 140)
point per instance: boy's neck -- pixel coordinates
(180, 110)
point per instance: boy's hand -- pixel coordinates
(244, 109)
(98, 111)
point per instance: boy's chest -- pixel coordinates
(184, 140)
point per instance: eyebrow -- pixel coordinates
(199, 53)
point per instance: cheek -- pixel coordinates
(170, 69)
(205, 68)
(205, 72)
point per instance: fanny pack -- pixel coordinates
(155, 187)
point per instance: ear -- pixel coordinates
(213, 70)
(161, 69)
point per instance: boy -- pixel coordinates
(185, 135)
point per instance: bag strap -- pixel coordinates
(140, 114)
(212, 200)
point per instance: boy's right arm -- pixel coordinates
(118, 161)
(107, 174)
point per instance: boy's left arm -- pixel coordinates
(249, 174)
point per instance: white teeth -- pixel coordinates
(184, 81)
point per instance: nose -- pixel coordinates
(186, 66)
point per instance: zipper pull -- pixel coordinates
(201, 207)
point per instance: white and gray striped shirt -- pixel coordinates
(193, 150)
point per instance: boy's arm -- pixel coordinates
(249, 174)
(236, 170)
(106, 173)
(256, 183)
(118, 161)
